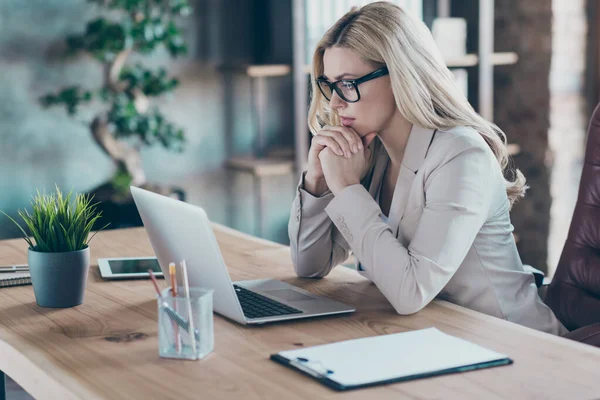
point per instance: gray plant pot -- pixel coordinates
(59, 279)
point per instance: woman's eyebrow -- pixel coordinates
(341, 76)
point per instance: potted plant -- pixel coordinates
(59, 256)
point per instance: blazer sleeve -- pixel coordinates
(456, 206)
(316, 244)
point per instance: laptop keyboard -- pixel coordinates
(255, 305)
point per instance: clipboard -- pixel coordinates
(385, 359)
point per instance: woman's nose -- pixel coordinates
(336, 101)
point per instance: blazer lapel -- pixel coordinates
(414, 155)
(380, 165)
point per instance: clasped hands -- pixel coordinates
(339, 156)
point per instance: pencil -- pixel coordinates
(172, 272)
(155, 282)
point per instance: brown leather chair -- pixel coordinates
(574, 293)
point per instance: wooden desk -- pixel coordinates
(107, 347)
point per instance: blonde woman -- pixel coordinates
(406, 175)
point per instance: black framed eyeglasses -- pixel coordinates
(347, 89)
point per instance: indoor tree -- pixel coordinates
(127, 120)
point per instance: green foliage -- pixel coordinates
(102, 38)
(175, 7)
(71, 97)
(145, 25)
(59, 223)
(137, 26)
(121, 181)
(150, 127)
(149, 82)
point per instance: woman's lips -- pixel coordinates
(347, 121)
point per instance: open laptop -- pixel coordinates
(180, 231)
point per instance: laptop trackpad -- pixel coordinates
(288, 295)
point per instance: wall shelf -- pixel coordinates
(261, 166)
(469, 60)
(472, 60)
(267, 71)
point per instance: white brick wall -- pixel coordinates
(568, 123)
(569, 31)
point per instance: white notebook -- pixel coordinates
(389, 358)
(14, 279)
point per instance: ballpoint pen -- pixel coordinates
(186, 290)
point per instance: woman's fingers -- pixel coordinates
(344, 141)
(353, 138)
(339, 138)
(326, 141)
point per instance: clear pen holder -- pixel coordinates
(175, 336)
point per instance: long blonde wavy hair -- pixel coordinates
(424, 89)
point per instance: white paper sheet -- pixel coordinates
(379, 358)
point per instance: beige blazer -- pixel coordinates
(448, 234)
